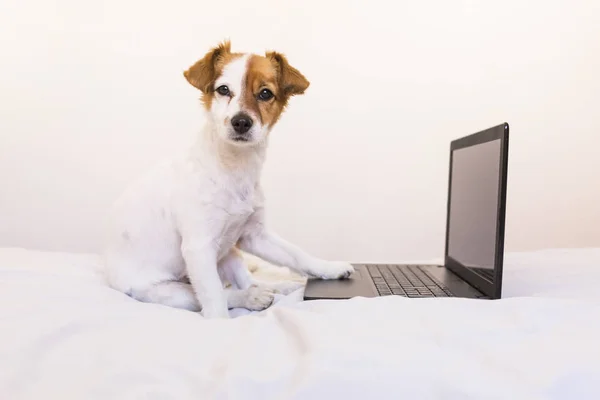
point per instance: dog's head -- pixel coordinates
(245, 94)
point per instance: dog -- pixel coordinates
(178, 235)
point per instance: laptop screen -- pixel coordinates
(473, 208)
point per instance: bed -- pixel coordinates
(65, 335)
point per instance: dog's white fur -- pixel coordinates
(175, 236)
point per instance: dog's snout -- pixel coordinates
(241, 123)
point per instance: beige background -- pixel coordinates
(93, 94)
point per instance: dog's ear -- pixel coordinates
(203, 73)
(291, 81)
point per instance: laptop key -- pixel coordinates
(413, 279)
(374, 272)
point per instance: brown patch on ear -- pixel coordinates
(290, 80)
(204, 72)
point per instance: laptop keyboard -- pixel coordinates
(405, 280)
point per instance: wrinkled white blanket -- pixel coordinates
(65, 335)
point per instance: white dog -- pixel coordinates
(176, 236)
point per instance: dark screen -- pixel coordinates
(473, 210)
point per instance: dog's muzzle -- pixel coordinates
(241, 123)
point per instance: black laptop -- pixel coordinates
(474, 234)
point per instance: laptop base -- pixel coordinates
(374, 280)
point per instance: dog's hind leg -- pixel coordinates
(233, 269)
(169, 293)
(181, 295)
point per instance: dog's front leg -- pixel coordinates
(201, 265)
(267, 245)
(272, 248)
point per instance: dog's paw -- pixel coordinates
(334, 270)
(258, 298)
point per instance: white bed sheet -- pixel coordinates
(65, 335)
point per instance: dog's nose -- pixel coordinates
(241, 123)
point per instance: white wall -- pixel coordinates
(92, 94)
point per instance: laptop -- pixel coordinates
(474, 247)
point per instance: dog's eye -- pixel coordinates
(265, 95)
(223, 90)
